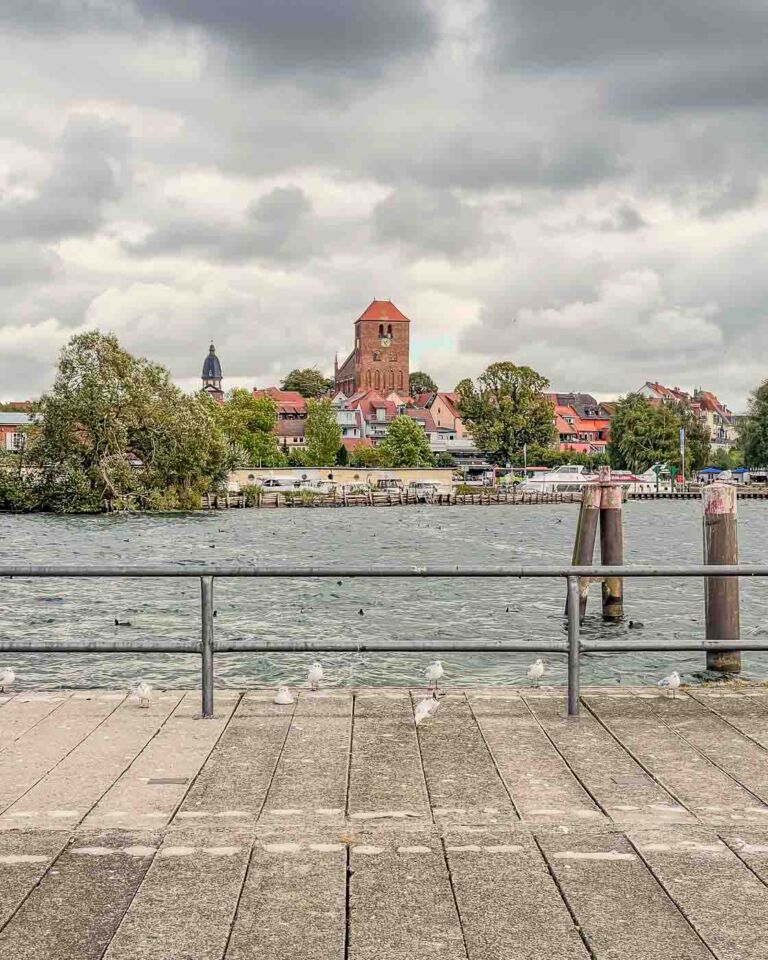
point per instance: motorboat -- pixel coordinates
(569, 478)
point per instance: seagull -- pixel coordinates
(672, 682)
(315, 675)
(434, 673)
(7, 676)
(283, 695)
(536, 671)
(426, 708)
(143, 691)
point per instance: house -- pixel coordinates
(291, 416)
(582, 423)
(11, 429)
(705, 405)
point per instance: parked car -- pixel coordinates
(389, 483)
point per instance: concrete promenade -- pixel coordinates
(334, 829)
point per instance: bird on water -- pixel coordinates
(283, 695)
(426, 708)
(315, 675)
(143, 692)
(672, 682)
(7, 676)
(536, 671)
(434, 673)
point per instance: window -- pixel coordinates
(377, 379)
(392, 379)
(400, 380)
(376, 355)
(389, 329)
(381, 329)
(381, 413)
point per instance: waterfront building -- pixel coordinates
(11, 429)
(713, 414)
(291, 416)
(582, 423)
(212, 376)
(380, 359)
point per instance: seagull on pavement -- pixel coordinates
(672, 682)
(426, 708)
(7, 676)
(283, 695)
(434, 673)
(536, 671)
(143, 692)
(315, 675)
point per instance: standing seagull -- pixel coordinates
(143, 692)
(536, 671)
(426, 708)
(672, 682)
(434, 673)
(7, 676)
(315, 675)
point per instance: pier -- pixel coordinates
(334, 828)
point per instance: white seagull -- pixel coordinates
(426, 708)
(672, 682)
(143, 692)
(7, 676)
(536, 671)
(315, 675)
(283, 695)
(434, 673)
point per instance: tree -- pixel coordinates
(727, 459)
(309, 382)
(445, 459)
(406, 445)
(420, 382)
(754, 428)
(342, 456)
(115, 431)
(250, 423)
(506, 410)
(322, 432)
(363, 456)
(644, 433)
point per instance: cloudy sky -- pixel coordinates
(575, 186)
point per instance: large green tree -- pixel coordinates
(406, 445)
(420, 382)
(115, 431)
(754, 428)
(507, 409)
(322, 432)
(644, 433)
(249, 423)
(362, 456)
(309, 382)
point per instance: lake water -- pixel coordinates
(655, 531)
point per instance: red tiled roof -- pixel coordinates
(563, 427)
(422, 416)
(351, 442)
(382, 310)
(288, 401)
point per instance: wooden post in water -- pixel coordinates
(721, 594)
(611, 545)
(584, 544)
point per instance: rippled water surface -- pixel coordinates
(662, 532)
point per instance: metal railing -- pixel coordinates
(208, 646)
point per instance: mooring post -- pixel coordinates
(573, 647)
(611, 545)
(206, 596)
(721, 594)
(584, 544)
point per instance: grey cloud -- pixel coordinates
(90, 169)
(625, 219)
(276, 226)
(27, 263)
(429, 222)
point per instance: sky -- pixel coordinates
(573, 186)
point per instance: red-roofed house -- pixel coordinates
(581, 422)
(705, 405)
(291, 416)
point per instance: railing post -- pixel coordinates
(573, 646)
(206, 596)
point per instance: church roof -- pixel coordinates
(382, 310)
(211, 367)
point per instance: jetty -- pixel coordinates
(335, 828)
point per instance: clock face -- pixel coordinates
(385, 341)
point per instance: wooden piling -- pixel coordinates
(721, 594)
(584, 543)
(611, 547)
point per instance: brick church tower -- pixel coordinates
(380, 360)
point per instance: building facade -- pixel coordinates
(380, 359)
(705, 405)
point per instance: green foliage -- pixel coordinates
(363, 456)
(406, 445)
(445, 460)
(342, 456)
(296, 457)
(644, 433)
(303, 498)
(754, 428)
(249, 423)
(727, 459)
(322, 432)
(253, 494)
(553, 457)
(506, 410)
(309, 382)
(420, 382)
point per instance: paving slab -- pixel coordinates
(475, 793)
(748, 712)
(401, 903)
(719, 895)
(65, 795)
(24, 858)
(234, 782)
(622, 911)
(617, 783)
(22, 713)
(293, 903)
(541, 785)
(698, 784)
(186, 903)
(46, 744)
(509, 904)
(149, 792)
(77, 906)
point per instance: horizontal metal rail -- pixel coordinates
(208, 646)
